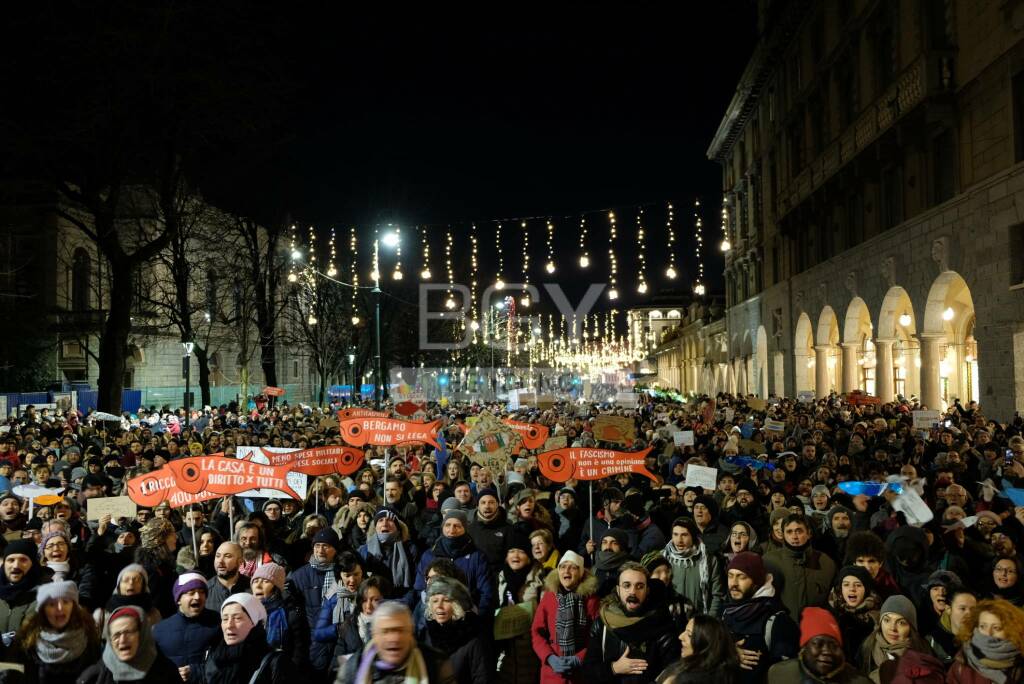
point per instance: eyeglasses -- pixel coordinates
(117, 636)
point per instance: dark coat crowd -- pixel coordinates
(792, 564)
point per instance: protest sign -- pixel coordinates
(116, 507)
(274, 391)
(683, 438)
(387, 431)
(579, 463)
(627, 399)
(749, 446)
(756, 404)
(925, 420)
(490, 442)
(557, 442)
(805, 396)
(614, 429)
(345, 414)
(776, 426)
(533, 435)
(701, 476)
(513, 400)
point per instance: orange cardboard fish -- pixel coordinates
(580, 463)
(345, 414)
(226, 476)
(324, 460)
(533, 435)
(387, 431)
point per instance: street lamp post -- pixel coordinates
(390, 240)
(186, 365)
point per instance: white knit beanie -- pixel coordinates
(250, 604)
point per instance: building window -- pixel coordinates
(81, 276)
(943, 166)
(1018, 117)
(1017, 255)
(892, 196)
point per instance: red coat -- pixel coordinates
(962, 673)
(545, 641)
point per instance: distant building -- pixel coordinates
(871, 167)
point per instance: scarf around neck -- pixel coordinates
(453, 547)
(60, 647)
(882, 650)
(570, 621)
(396, 556)
(610, 560)
(138, 667)
(413, 670)
(991, 657)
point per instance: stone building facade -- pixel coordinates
(874, 202)
(691, 357)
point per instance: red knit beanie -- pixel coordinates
(818, 622)
(751, 565)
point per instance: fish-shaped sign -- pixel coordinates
(407, 408)
(870, 488)
(749, 462)
(581, 463)
(323, 460)
(201, 478)
(387, 431)
(345, 414)
(533, 435)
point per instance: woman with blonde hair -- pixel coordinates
(59, 640)
(543, 550)
(993, 643)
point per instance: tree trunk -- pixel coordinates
(268, 342)
(323, 388)
(204, 375)
(114, 342)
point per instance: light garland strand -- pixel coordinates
(499, 282)
(397, 273)
(698, 287)
(550, 266)
(641, 263)
(726, 245)
(473, 323)
(449, 301)
(525, 299)
(584, 254)
(425, 274)
(331, 270)
(352, 245)
(613, 292)
(670, 272)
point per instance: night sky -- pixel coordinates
(445, 118)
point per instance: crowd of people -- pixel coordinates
(434, 568)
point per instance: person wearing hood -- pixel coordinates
(188, 634)
(742, 537)
(561, 623)
(455, 630)
(645, 536)
(775, 539)
(355, 523)
(712, 531)
(520, 584)
(938, 587)
(907, 562)
(568, 520)
(895, 635)
(241, 654)
(489, 528)
(633, 637)
(18, 581)
(854, 603)
(59, 639)
(762, 629)
(456, 544)
(867, 550)
(696, 571)
(818, 507)
(130, 654)
(287, 628)
(821, 659)
(389, 553)
(993, 643)
(805, 573)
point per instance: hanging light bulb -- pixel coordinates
(948, 314)
(670, 272)
(473, 325)
(905, 319)
(550, 267)
(312, 319)
(425, 274)
(584, 261)
(292, 278)
(613, 293)
(499, 284)
(331, 271)
(449, 303)
(524, 300)
(355, 320)
(296, 254)
(641, 288)
(726, 245)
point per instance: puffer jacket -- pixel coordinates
(307, 584)
(543, 632)
(185, 640)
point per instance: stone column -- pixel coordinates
(884, 381)
(850, 366)
(931, 395)
(821, 371)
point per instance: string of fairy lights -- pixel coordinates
(550, 344)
